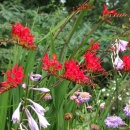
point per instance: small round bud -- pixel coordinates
(68, 116)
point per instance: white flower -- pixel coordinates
(118, 63)
(31, 122)
(38, 107)
(16, 114)
(41, 89)
(42, 120)
(35, 77)
(24, 86)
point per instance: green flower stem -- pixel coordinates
(117, 93)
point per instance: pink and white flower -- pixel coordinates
(102, 105)
(118, 63)
(122, 45)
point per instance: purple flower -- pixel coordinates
(127, 110)
(113, 122)
(16, 114)
(35, 77)
(31, 122)
(118, 63)
(84, 97)
(122, 45)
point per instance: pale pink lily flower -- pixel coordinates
(35, 77)
(31, 122)
(122, 45)
(118, 63)
(41, 89)
(42, 120)
(38, 107)
(16, 114)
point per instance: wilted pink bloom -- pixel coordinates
(118, 63)
(47, 97)
(73, 97)
(31, 122)
(102, 105)
(77, 93)
(42, 120)
(38, 107)
(78, 102)
(41, 89)
(16, 114)
(89, 107)
(35, 77)
(122, 45)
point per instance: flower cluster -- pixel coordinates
(37, 108)
(92, 62)
(74, 73)
(94, 47)
(14, 77)
(51, 65)
(23, 36)
(113, 122)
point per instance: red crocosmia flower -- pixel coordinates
(106, 12)
(14, 77)
(93, 63)
(23, 36)
(94, 47)
(75, 73)
(126, 62)
(51, 65)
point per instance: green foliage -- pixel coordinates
(68, 36)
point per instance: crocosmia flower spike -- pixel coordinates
(14, 77)
(23, 36)
(51, 65)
